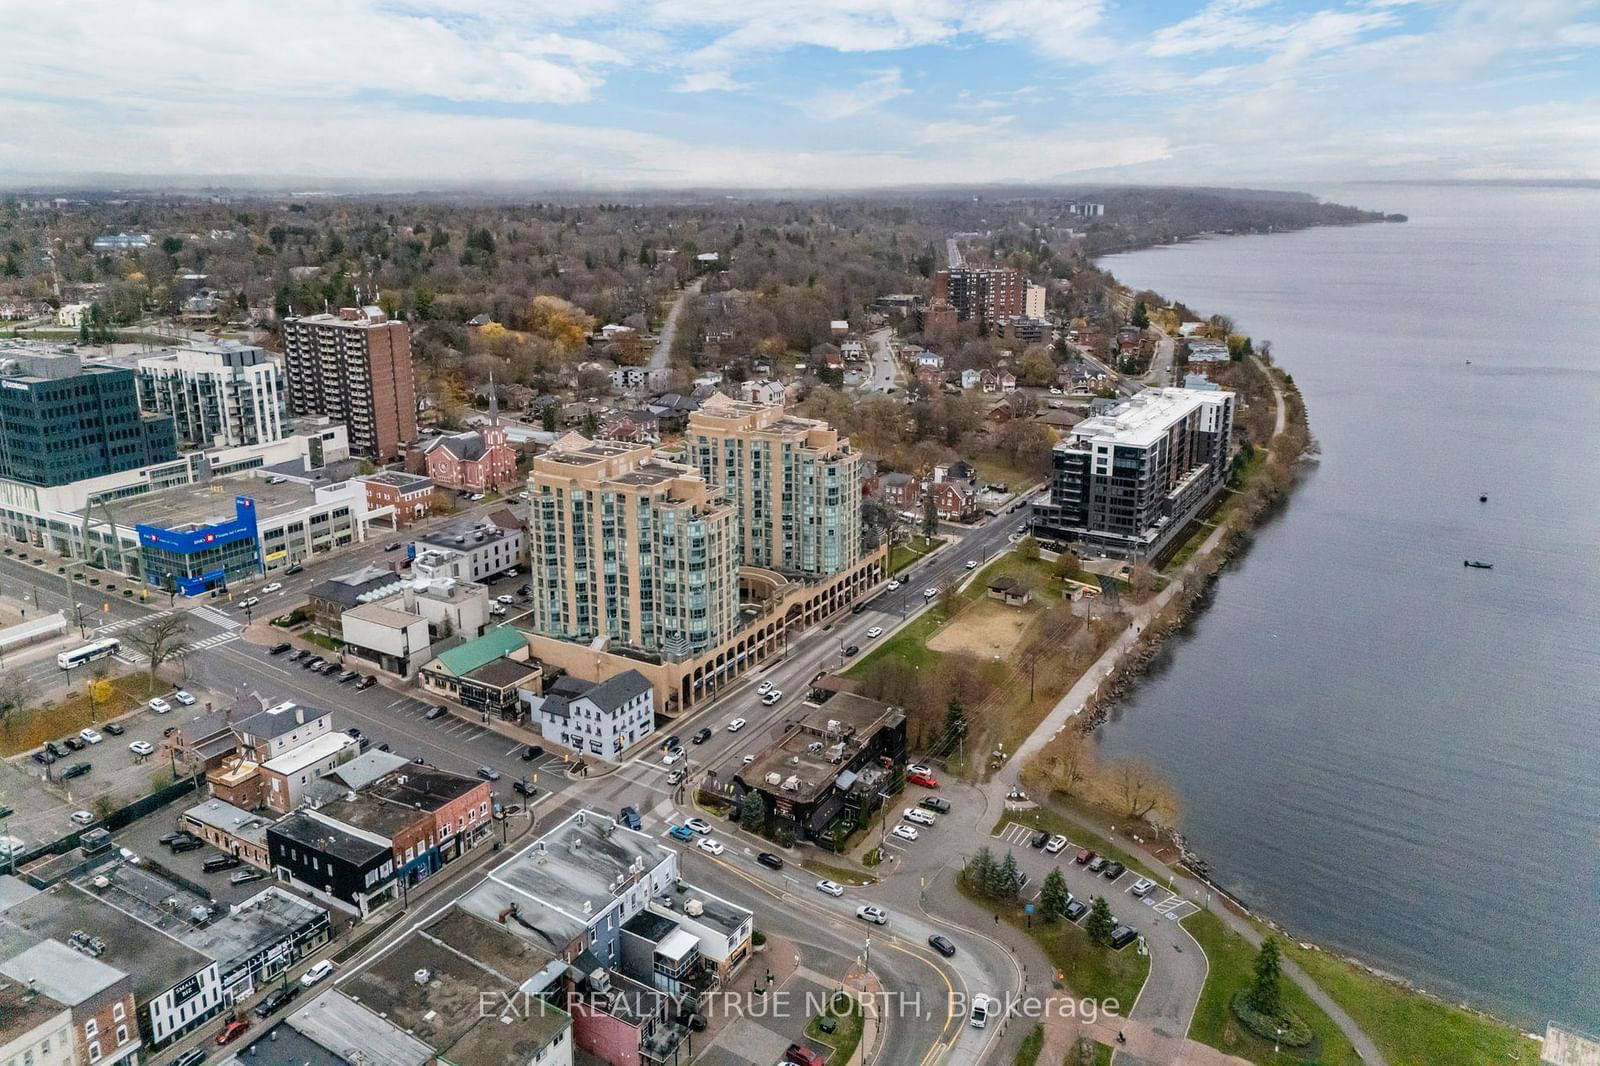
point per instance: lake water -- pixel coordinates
(1387, 751)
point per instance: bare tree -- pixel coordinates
(1063, 765)
(1142, 791)
(17, 689)
(159, 640)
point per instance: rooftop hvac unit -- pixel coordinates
(694, 908)
(814, 747)
(836, 753)
(773, 778)
(199, 913)
(792, 784)
(101, 883)
(833, 725)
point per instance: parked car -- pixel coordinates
(232, 1031)
(436, 712)
(82, 818)
(1039, 839)
(522, 788)
(894, 586)
(193, 1057)
(921, 817)
(935, 804)
(74, 743)
(488, 773)
(277, 999)
(191, 844)
(801, 1055)
(114, 729)
(925, 780)
(1076, 909)
(329, 669)
(832, 888)
(1141, 888)
(701, 735)
(300, 655)
(392, 546)
(221, 863)
(184, 698)
(295, 569)
(904, 832)
(316, 973)
(75, 770)
(353, 732)
(244, 877)
(1122, 936)
(56, 750)
(312, 663)
(681, 832)
(1098, 863)
(942, 945)
(711, 847)
(366, 682)
(769, 860)
(1083, 857)
(699, 825)
(692, 1020)
(876, 915)
(349, 676)
(142, 747)
(43, 757)
(1055, 844)
(929, 593)
(280, 648)
(531, 752)
(1114, 870)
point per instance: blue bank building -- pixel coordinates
(195, 559)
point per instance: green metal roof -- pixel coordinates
(496, 642)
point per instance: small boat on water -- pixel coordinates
(1477, 565)
(1484, 498)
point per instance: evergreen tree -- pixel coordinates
(980, 871)
(1099, 923)
(753, 811)
(1266, 995)
(547, 417)
(1053, 895)
(1141, 317)
(1009, 879)
(591, 426)
(930, 514)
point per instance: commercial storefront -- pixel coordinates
(195, 559)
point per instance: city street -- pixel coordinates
(883, 370)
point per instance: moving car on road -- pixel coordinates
(876, 915)
(488, 773)
(832, 888)
(978, 1013)
(271, 587)
(942, 945)
(764, 687)
(972, 564)
(875, 632)
(681, 832)
(701, 735)
(736, 725)
(772, 697)
(699, 825)
(894, 586)
(769, 860)
(672, 756)
(711, 847)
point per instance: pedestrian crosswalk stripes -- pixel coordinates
(135, 658)
(128, 623)
(216, 618)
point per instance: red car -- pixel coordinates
(926, 780)
(1083, 856)
(800, 1055)
(232, 1031)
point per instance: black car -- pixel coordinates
(114, 729)
(43, 758)
(55, 749)
(703, 735)
(329, 669)
(1114, 870)
(277, 999)
(353, 732)
(75, 770)
(942, 945)
(384, 746)
(1076, 909)
(769, 860)
(312, 663)
(934, 803)
(75, 743)
(851, 650)
(531, 752)
(220, 863)
(858, 608)
(692, 1020)
(170, 837)
(436, 712)
(244, 877)
(295, 569)
(392, 546)
(193, 1057)
(522, 788)
(279, 649)
(349, 676)
(1122, 936)
(192, 844)
(1039, 839)
(366, 682)
(671, 742)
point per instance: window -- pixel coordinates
(94, 1051)
(122, 1035)
(91, 1029)
(118, 1012)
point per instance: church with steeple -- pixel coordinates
(479, 460)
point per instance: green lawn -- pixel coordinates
(909, 551)
(1032, 1044)
(842, 874)
(846, 1011)
(1232, 961)
(910, 645)
(1041, 818)
(1410, 1028)
(1090, 970)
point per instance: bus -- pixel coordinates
(88, 653)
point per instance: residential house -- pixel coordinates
(901, 492)
(771, 393)
(972, 379)
(604, 719)
(286, 779)
(956, 500)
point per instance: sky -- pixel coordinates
(402, 94)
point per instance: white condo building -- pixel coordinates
(225, 395)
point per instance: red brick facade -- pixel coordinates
(494, 465)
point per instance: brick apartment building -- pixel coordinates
(411, 495)
(985, 294)
(356, 367)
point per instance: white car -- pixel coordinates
(875, 632)
(476, 497)
(184, 698)
(978, 1013)
(876, 915)
(267, 590)
(764, 687)
(672, 757)
(929, 593)
(918, 815)
(82, 818)
(142, 747)
(904, 832)
(893, 585)
(748, 759)
(498, 610)
(160, 706)
(832, 888)
(772, 697)
(512, 572)
(711, 847)
(505, 598)
(1055, 844)
(1141, 888)
(919, 768)
(698, 825)
(972, 564)
(90, 736)
(316, 973)
(736, 725)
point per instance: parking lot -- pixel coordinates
(43, 803)
(1160, 902)
(143, 838)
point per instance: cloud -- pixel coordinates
(865, 94)
(707, 81)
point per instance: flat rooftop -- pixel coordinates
(211, 503)
(463, 536)
(424, 786)
(312, 751)
(318, 835)
(155, 960)
(373, 815)
(447, 1009)
(261, 921)
(846, 718)
(22, 1010)
(60, 972)
(1145, 417)
(356, 1034)
(235, 821)
(380, 615)
(555, 878)
(399, 479)
(283, 1045)
(726, 918)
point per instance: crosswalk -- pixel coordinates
(128, 623)
(216, 618)
(137, 658)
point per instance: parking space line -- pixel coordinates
(513, 749)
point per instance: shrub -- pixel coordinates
(758, 938)
(1295, 1033)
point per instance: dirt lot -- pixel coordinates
(988, 628)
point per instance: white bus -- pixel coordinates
(88, 653)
